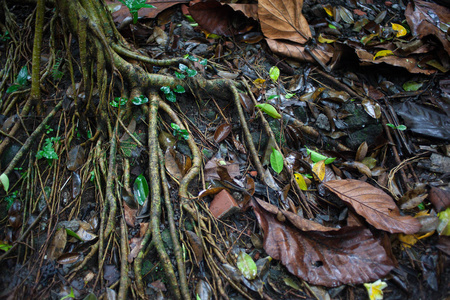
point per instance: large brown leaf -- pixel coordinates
(283, 19)
(323, 52)
(373, 204)
(350, 255)
(219, 19)
(425, 18)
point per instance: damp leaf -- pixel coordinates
(246, 265)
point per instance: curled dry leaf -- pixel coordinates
(373, 204)
(222, 132)
(350, 255)
(362, 151)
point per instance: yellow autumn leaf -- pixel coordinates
(383, 53)
(300, 181)
(401, 31)
(319, 169)
(328, 10)
(321, 39)
(375, 290)
(259, 83)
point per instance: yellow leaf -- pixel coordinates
(383, 53)
(401, 31)
(319, 169)
(259, 83)
(328, 10)
(375, 290)
(300, 181)
(325, 40)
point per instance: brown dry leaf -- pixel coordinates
(362, 168)
(217, 18)
(249, 10)
(349, 255)
(283, 19)
(196, 245)
(324, 52)
(57, 245)
(373, 204)
(362, 151)
(440, 198)
(426, 18)
(68, 258)
(130, 215)
(136, 242)
(211, 169)
(297, 221)
(222, 132)
(172, 164)
(409, 63)
(210, 192)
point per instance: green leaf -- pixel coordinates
(71, 295)
(204, 62)
(71, 233)
(189, 18)
(140, 100)
(192, 58)
(390, 125)
(12, 88)
(183, 67)
(165, 89)
(289, 95)
(401, 127)
(246, 265)
(179, 75)
(4, 180)
(316, 157)
(171, 97)
(412, 86)
(179, 89)
(198, 297)
(140, 189)
(274, 73)
(118, 101)
(273, 97)
(276, 160)
(4, 247)
(22, 77)
(191, 73)
(269, 109)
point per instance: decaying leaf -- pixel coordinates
(196, 245)
(373, 204)
(222, 132)
(349, 255)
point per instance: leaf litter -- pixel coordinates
(336, 229)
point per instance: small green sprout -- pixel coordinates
(399, 127)
(134, 6)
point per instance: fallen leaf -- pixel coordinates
(349, 255)
(222, 132)
(283, 20)
(373, 204)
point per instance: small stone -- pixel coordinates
(323, 123)
(223, 205)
